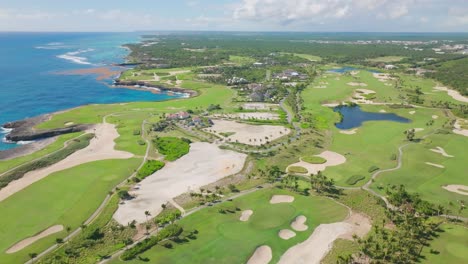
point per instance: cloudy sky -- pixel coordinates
(242, 15)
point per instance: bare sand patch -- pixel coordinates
(441, 151)
(178, 72)
(349, 132)
(435, 165)
(452, 93)
(418, 129)
(205, 163)
(435, 116)
(254, 135)
(456, 188)
(262, 255)
(333, 159)
(286, 234)
(458, 128)
(321, 241)
(245, 216)
(356, 84)
(30, 240)
(275, 199)
(260, 106)
(331, 105)
(383, 77)
(101, 147)
(412, 112)
(382, 111)
(299, 223)
(69, 123)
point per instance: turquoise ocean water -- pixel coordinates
(29, 85)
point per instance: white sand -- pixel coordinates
(349, 132)
(418, 129)
(178, 72)
(281, 199)
(321, 241)
(452, 93)
(382, 111)
(356, 84)
(259, 106)
(254, 115)
(333, 159)
(456, 188)
(286, 234)
(30, 240)
(435, 165)
(204, 164)
(412, 112)
(246, 215)
(69, 123)
(331, 105)
(254, 135)
(299, 223)
(458, 128)
(262, 255)
(383, 77)
(442, 152)
(101, 147)
(435, 116)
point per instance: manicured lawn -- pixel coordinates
(223, 238)
(67, 197)
(314, 159)
(450, 247)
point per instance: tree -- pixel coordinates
(147, 226)
(410, 134)
(32, 256)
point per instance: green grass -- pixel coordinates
(297, 169)
(355, 179)
(241, 60)
(171, 147)
(150, 167)
(314, 159)
(67, 197)
(451, 246)
(305, 56)
(222, 238)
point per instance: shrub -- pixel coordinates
(171, 147)
(372, 168)
(314, 159)
(355, 179)
(150, 167)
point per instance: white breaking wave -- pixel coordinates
(24, 142)
(71, 56)
(53, 46)
(5, 130)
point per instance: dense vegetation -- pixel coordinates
(150, 167)
(171, 147)
(452, 73)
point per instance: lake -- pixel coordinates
(353, 117)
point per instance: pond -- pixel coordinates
(348, 69)
(353, 116)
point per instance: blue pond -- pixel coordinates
(353, 117)
(348, 69)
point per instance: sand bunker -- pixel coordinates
(262, 255)
(30, 240)
(460, 189)
(418, 129)
(349, 132)
(458, 128)
(382, 111)
(435, 116)
(246, 215)
(412, 112)
(286, 234)
(101, 147)
(204, 164)
(356, 84)
(260, 106)
(333, 159)
(281, 199)
(435, 165)
(452, 93)
(442, 152)
(321, 241)
(254, 135)
(299, 223)
(383, 77)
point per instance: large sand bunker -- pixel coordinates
(456, 188)
(458, 128)
(321, 241)
(101, 147)
(452, 93)
(281, 199)
(247, 134)
(262, 255)
(30, 240)
(441, 151)
(204, 164)
(299, 223)
(349, 132)
(333, 159)
(286, 234)
(245, 216)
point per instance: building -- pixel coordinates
(178, 116)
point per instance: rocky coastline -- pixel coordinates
(141, 85)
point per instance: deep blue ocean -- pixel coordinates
(29, 85)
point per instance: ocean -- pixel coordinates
(30, 85)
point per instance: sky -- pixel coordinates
(235, 15)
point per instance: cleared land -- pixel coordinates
(204, 164)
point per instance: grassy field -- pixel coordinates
(427, 180)
(305, 56)
(387, 59)
(67, 197)
(241, 60)
(223, 238)
(450, 247)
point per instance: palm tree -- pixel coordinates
(147, 213)
(32, 256)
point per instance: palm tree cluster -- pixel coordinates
(322, 184)
(411, 231)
